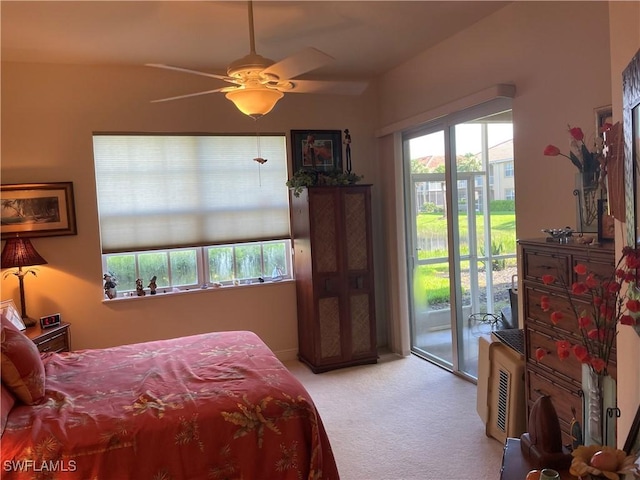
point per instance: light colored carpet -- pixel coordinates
(402, 419)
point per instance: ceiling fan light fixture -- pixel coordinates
(254, 102)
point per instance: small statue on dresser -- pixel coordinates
(139, 289)
(152, 285)
(110, 283)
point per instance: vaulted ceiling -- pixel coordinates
(367, 38)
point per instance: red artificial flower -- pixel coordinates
(597, 334)
(551, 151)
(633, 305)
(548, 279)
(584, 321)
(579, 288)
(627, 320)
(580, 269)
(581, 353)
(563, 353)
(544, 303)
(591, 281)
(613, 287)
(605, 127)
(540, 353)
(598, 364)
(556, 317)
(576, 133)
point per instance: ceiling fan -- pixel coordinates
(258, 82)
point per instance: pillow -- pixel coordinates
(6, 404)
(22, 367)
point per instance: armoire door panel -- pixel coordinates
(359, 309)
(324, 236)
(329, 323)
(356, 231)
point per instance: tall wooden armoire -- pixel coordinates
(333, 261)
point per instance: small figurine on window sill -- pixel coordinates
(139, 290)
(110, 283)
(152, 285)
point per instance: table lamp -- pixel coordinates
(18, 252)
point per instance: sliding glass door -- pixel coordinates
(461, 239)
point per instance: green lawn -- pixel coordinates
(431, 282)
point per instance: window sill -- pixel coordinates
(169, 293)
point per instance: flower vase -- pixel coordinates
(600, 412)
(587, 193)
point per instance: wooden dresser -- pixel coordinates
(561, 379)
(333, 260)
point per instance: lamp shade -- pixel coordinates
(18, 252)
(254, 101)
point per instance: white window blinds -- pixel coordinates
(160, 191)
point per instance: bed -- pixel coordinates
(212, 406)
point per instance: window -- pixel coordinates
(192, 209)
(508, 169)
(510, 194)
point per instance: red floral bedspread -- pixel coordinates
(212, 406)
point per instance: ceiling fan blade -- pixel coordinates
(195, 72)
(224, 89)
(331, 87)
(301, 62)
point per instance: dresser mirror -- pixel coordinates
(631, 132)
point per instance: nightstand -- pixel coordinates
(53, 339)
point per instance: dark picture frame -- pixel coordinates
(606, 223)
(38, 210)
(317, 150)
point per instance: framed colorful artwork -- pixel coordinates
(319, 150)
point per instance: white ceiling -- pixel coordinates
(367, 38)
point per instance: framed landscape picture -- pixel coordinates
(319, 150)
(38, 210)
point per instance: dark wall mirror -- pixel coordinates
(631, 132)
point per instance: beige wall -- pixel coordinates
(48, 116)
(624, 24)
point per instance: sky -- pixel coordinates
(467, 139)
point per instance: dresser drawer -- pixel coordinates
(563, 397)
(539, 263)
(602, 267)
(558, 302)
(569, 369)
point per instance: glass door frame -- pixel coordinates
(447, 126)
